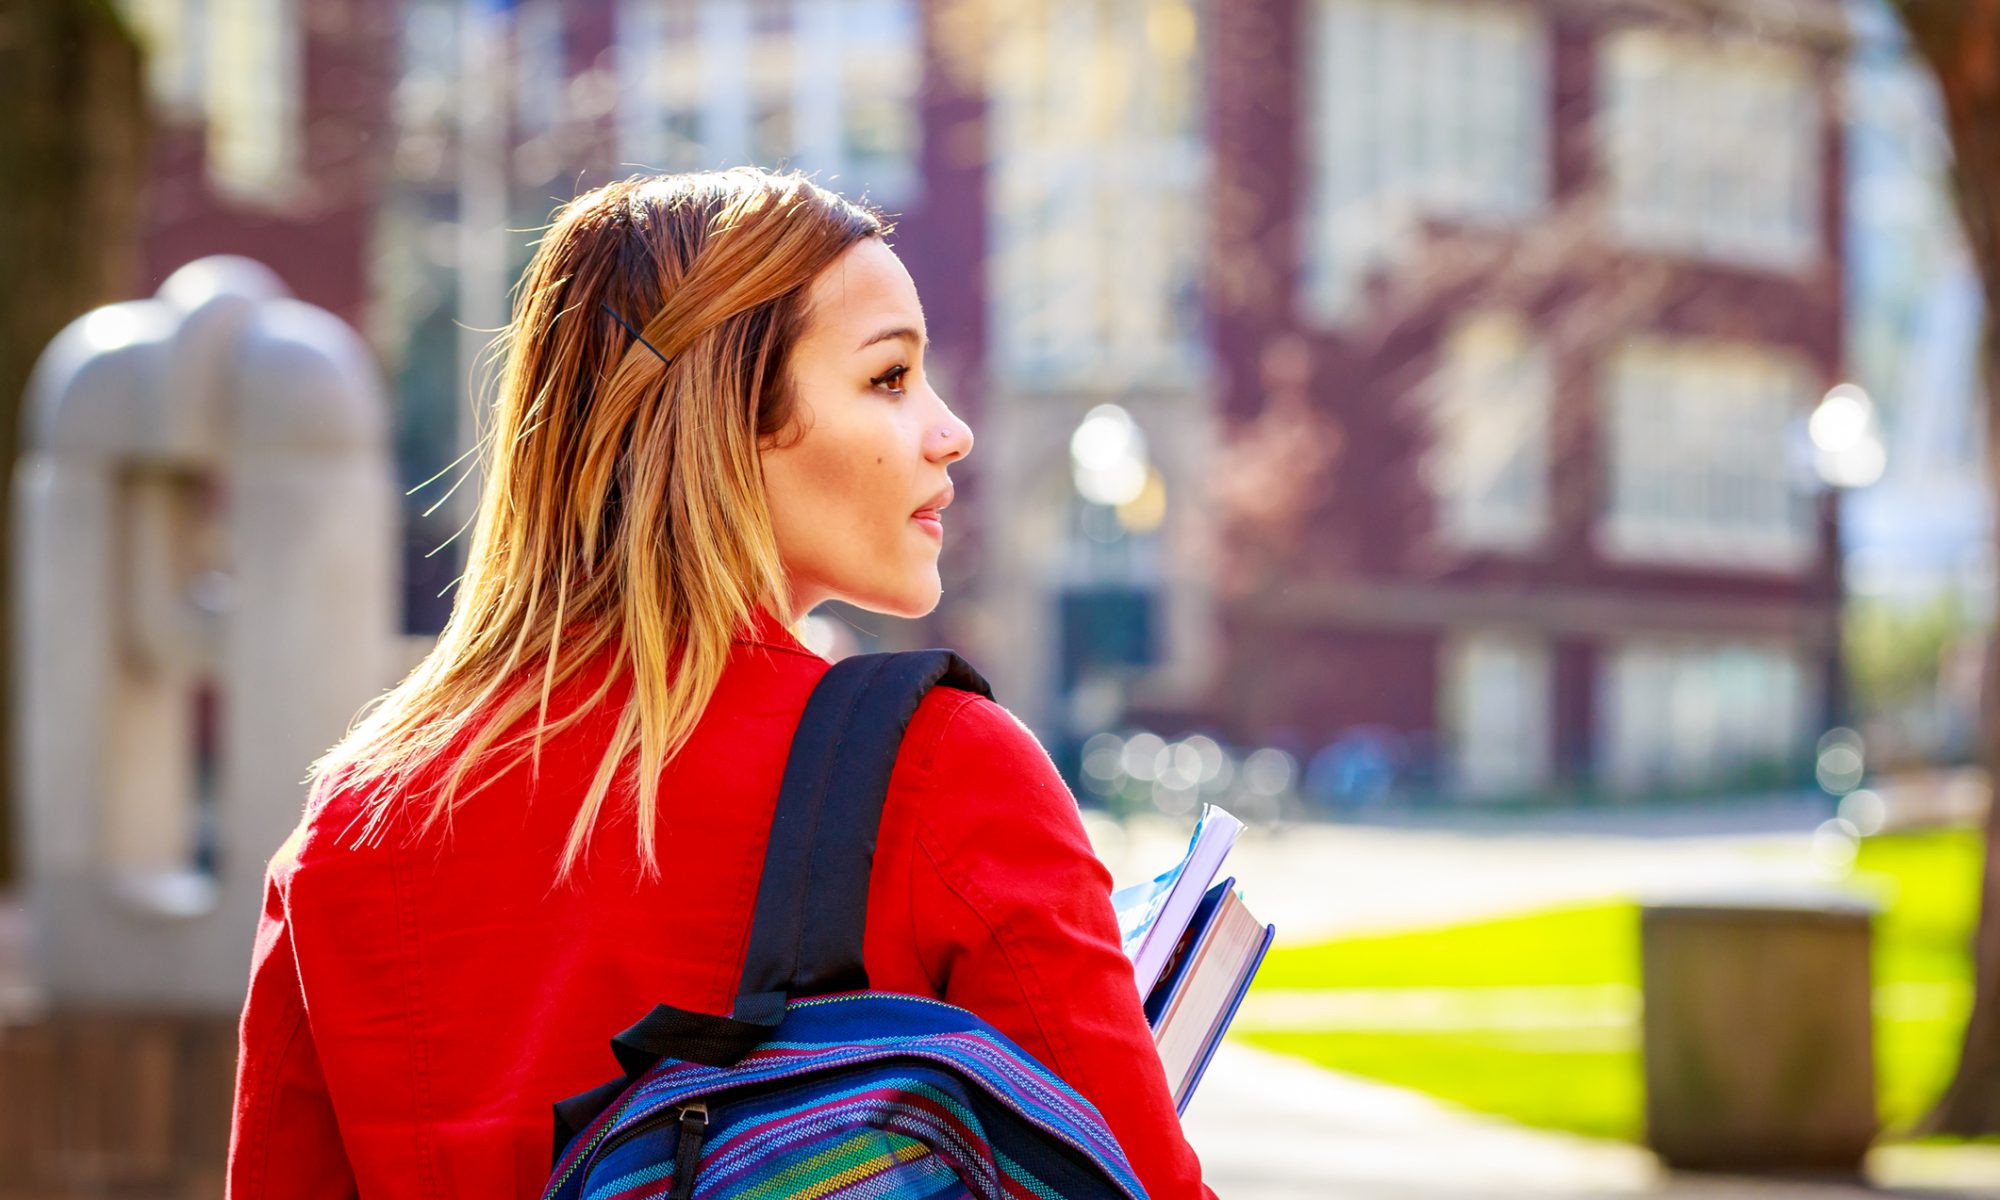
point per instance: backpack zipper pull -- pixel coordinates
(687, 1152)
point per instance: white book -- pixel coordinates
(1152, 915)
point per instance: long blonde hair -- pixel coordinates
(623, 508)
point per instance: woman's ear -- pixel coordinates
(792, 432)
(779, 440)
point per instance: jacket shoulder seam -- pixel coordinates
(960, 701)
(967, 891)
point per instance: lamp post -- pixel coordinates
(1107, 601)
(1844, 434)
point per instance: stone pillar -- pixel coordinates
(205, 530)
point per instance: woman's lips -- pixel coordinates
(931, 515)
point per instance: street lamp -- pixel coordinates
(1110, 468)
(1847, 453)
(1107, 600)
(1107, 456)
(1847, 438)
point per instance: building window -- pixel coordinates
(1701, 462)
(880, 66)
(427, 85)
(541, 69)
(1712, 150)
(1682, 715)
(1095, 279)
(253, 77)
(660, 55)
(1497, 691)
(1488, 464)
(174, 34)
(828, 86)
(1417, 109)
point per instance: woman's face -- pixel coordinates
(851, 484)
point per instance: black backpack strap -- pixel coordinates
(812, 899)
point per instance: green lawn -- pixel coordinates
(1588, 1080)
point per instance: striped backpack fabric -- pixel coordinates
(815, 1086)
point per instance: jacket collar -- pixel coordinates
(763, 628)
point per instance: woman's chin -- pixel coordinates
(921, 605)
(917, 598)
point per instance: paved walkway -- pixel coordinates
(1404, 871)
(1318, 881)
(1272, 1128)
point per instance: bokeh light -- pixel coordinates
(1108, 457)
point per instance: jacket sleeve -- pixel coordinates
(283, 1138)
(1014, 922)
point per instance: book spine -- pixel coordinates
(1222, 1026)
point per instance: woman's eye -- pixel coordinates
(893, 375)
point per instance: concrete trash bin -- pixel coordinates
(1758, 1038)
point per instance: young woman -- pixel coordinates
(714, 415)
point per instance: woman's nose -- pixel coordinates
(950, 440)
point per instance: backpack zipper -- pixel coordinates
(687, 1152)
(694, 1131)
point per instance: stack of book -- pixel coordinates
(1194, 949)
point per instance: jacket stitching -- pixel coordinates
(419, 1035)
(928, 754)
(920, 757)
(910, 902)
(966, 890)
(259, 1120)
(735, 965)
(927, 757)
(795, 650)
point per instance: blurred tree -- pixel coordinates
(1894, 650)
(72, 162)
(1906, 678)
(1959, 41)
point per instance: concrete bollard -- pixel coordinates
(205, 540)
(1758, 1035)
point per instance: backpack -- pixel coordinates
(815, 1086)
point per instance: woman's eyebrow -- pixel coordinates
(903, 332)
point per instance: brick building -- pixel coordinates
(1469, 341)
(273, 135)
(1563, 280)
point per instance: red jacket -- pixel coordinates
(415, 1008)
